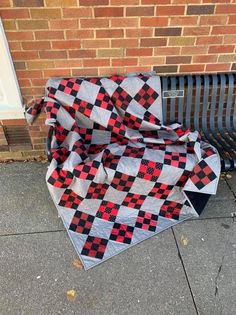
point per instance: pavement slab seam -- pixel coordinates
(30, 233)
(185, 272)
(231, 189)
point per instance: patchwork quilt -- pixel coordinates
(118, 175)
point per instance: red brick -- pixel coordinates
(50, 54)
(223, 30)
(213, 20)
(60, 3)
(200, 9)
(79, 34)
(124, 62)
(215, 67)
(154, 21)
(77, 12)
(111, 70)
(32, 24)
(28, 3)
(194, 50)
(5, 3)
(229, 39)
(45, 13)
(24, 82)
(38, 82)
(155, 2)
(9, 25)
(66, 44)
(186, 1)
(191, 68)
(68, 63)
(124, 22)
(29, 74)
(178, 59)
(25, 55)
(232, 19)
(19, 36)
(108, 12)
(85, 72)
(144, 61)
(217, 1)
(40, 64)
(14, 46)
(95, 43)
(183, 20)
(181, 41)
(114, 52)
(139, 11)
(56, 73)
(207, 40)
(93, 2)
(196, 31)
(32, 90)
(123, 2)
(96, 62)
(227, 8)
(221, 49)
(82, 53)
(152, 42)
(15, 13)
(170, 10)
(39, 147)
(124, 43)
(110, 33)
(169, 31)
(137, 69)
(49, 34)
(139, 32)
(139, 52)
(19, 65)
(38, 141)
(36, 45)
(63, 24)
(94, 23)
(166, 51)
(165, 69)
(204, 59)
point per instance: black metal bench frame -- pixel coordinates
(206, 103)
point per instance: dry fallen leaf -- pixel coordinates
(184, 240)
(228, 176)
(77, 263)
(71, 295)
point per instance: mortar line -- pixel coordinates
(185, 272)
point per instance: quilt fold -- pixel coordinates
(118, 175)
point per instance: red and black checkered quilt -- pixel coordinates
(118, 175)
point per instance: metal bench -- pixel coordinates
(206, 103)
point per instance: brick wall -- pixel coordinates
(102, 37)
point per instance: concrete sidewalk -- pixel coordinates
(188, 269)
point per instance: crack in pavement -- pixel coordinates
(220, 268)
(231, 189)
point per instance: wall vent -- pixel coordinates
(17, 135)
